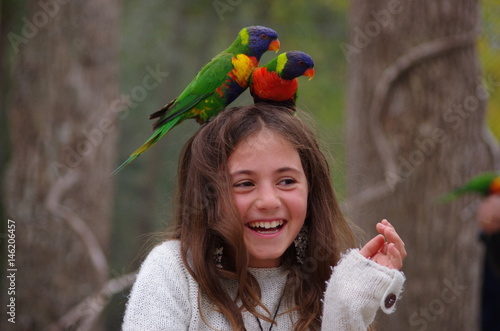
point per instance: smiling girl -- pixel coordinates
(260, 242)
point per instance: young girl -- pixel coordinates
(260, 242)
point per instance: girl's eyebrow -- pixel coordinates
(242, 172)
(250, 172)
(285, 169)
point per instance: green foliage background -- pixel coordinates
(489, 48)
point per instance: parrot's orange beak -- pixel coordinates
(274, 46)
(309, 73)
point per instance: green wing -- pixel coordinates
(208, 79)
(203, 86)
(478, 184)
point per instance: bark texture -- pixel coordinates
(58, 187)
(415, 124)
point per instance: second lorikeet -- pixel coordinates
(215, 86)
(484, 184)
(276, 82)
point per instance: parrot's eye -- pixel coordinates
(301, 63)
(263, 36)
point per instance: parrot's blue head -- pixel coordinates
(297, 64)
(259, 40)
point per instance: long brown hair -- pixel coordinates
(207, 218)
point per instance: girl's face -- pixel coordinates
(270, 190)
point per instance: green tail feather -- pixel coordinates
(448, 197)
(157, 135)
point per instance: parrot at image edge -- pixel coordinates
(276, 82)
(485, 184)
(215, 86)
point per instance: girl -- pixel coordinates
(259, 238)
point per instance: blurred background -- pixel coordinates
(406, 98)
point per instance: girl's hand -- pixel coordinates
(387, 248)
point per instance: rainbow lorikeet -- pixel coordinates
(276, 82)
(484, 184)
(215, 86)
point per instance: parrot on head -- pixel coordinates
(484, 184)
(215, 86)
(276, 82)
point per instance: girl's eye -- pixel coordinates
(287, 182)
(243, 184)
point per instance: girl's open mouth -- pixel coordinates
(266, 227)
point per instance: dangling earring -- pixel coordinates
(301, 243)
(218, 257)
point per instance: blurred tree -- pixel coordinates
(416, 129)
(58, 188)
(10, 12)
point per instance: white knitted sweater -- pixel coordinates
(165, 296)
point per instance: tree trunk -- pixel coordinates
(62, 123)
(415, 130)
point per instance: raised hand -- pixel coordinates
(387, 248)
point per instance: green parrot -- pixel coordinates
(485, 184)
(215, 86)
(276, 82)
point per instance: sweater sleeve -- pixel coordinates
(358, 287)
(160, 298)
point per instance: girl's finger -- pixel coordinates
(373, 246)
(394, 257)
(381, 226)
(393, 237)
(386, 223)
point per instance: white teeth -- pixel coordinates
(266, 225)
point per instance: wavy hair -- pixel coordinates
(206, 216)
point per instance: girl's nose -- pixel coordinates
(267, 199)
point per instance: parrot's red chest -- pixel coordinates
(269, 86)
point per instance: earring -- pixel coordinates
(218, 257)
(301, 243)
